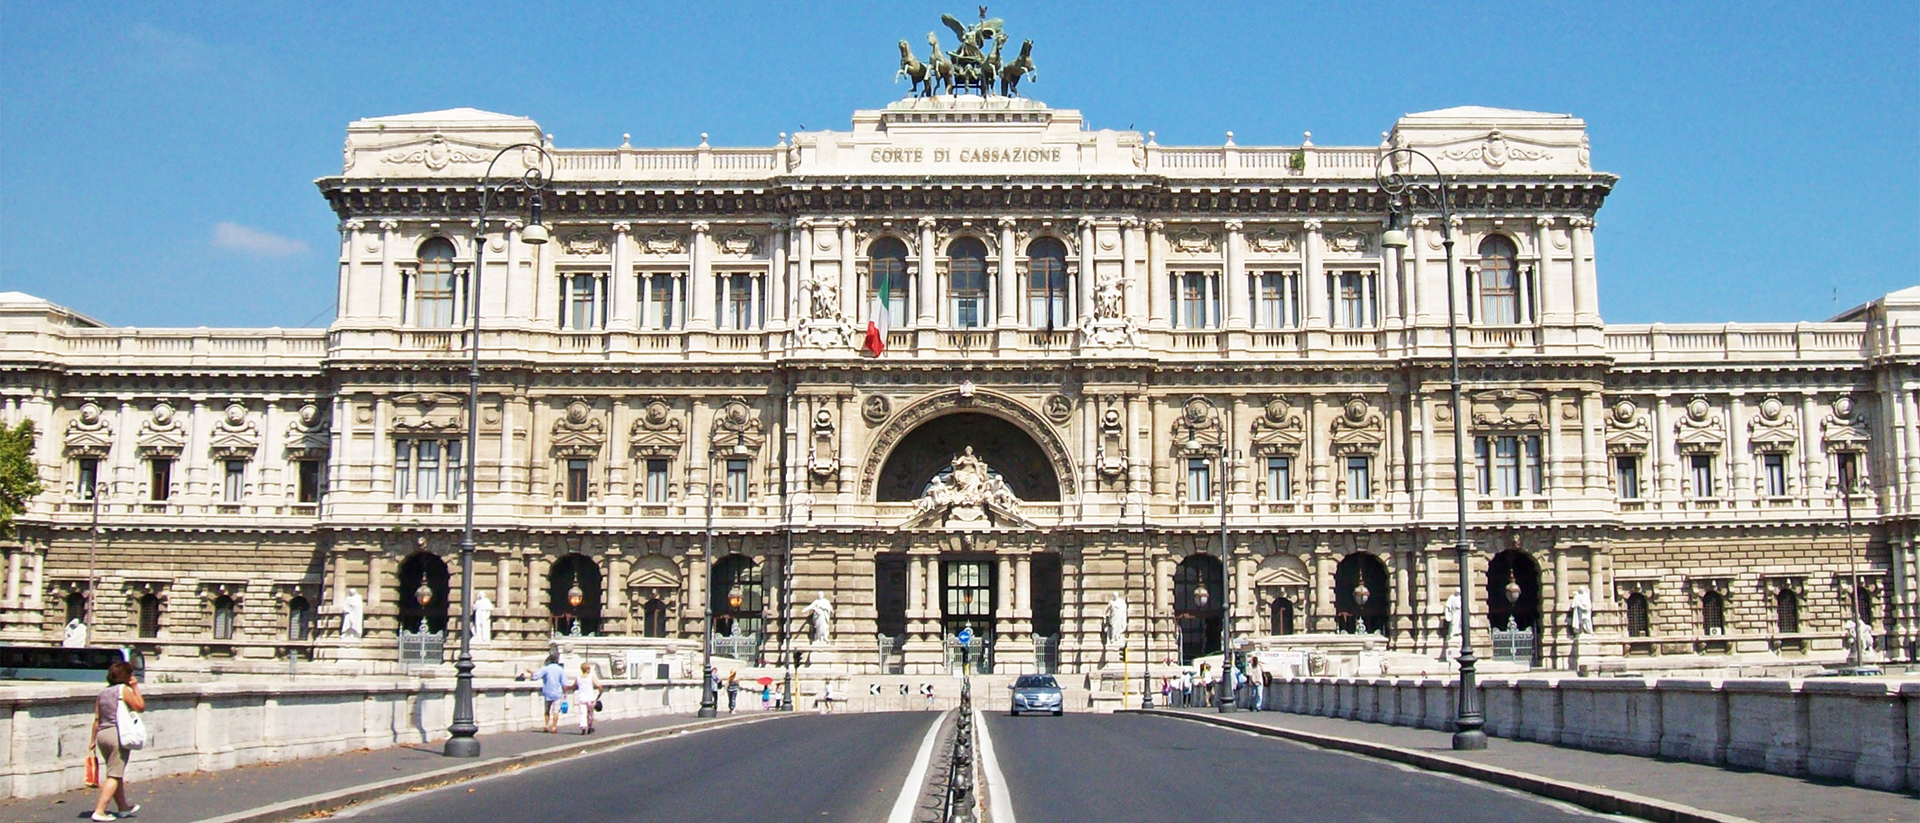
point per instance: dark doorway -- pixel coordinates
(653, 618)
(1280, 616)
(1524, 611)
(568, 572)
(890, 592)
(1348, 612)
(967, 602)
(1199, 602)
(736, 597)
(930, 449)
(1044, 579)
(430, 569)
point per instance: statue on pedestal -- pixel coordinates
(76, 634)
(1451, 614)
(353, 616)
(1116, 622)
(482, 620)
(1580, 613)
(821, 612)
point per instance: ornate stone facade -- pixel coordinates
(1097, 342)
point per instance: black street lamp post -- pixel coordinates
(709, 701)
(1468, 722)
(462, 742)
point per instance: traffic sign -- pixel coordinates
(965, 636)
(903, 690)
(873, 689)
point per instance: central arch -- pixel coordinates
(922, 439)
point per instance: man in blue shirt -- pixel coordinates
(553, 689)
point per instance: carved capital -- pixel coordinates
(699, 227)
(1543, 222)
(352, 225)
(1156, 225)
(1234, 226)
(1006, 223)
(389, 225)
(846, 223)
(622, 228)
(1312, 225)
(927, 223)
(1581, 222)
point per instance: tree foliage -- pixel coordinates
(19, 477)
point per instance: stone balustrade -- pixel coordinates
(1863, 731)
(218, 726)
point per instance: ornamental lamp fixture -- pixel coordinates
(733, 598)
(424, 594)
(1202, 596)
(1361, 594)
(535, 234)
(1512, 589)
(575, 596)
(1394, 237)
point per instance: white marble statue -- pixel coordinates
(821, 612)
(1451, 614)
(353, 615)
(76, 635)
(482, 620)
(1859, 633)
(1580, 613)
(1116, 622)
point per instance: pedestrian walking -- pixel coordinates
(586, 696)
(123, 688)
(553, 690)
(766, 696)
(733, 690)
(1257, 680)
(1166, 691)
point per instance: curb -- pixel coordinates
(320, 804)
(1606, 801)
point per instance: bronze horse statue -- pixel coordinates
(920, 74)
(1020, 67)
(938, 67)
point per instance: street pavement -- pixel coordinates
(843, 768)
(1125, 767)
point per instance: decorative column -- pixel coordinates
(392, 295)
(701, 259)
(622, 286)
(1813, 470)
(851, 306)
(778, 237)
(1585, 289)
(1006, 289)
(349, 266)
(1316, 281)
(1236, 276)
(926, 287)
(1740, 470)
(1661, 449)
(1157, 285)
(1129, 270)
(1551, 306)
(1323, 568)
(1084, 284)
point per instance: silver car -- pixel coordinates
(1036, 693)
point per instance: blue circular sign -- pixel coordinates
(965, 635)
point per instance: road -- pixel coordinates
(833, 769)
(1126, 768)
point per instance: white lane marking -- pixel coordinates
(999, 803)
(909, 799)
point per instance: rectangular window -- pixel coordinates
(1199, 480)
(426, 468)
(234, 486)
(1279, 478)
(660, 301)
(310, 479)
(577, 480)
(1774, 466)
(736, 480)
(1499, 295)
(223, 619)
(160, 478)
(1359, 478)
(1508, 465)
(87, 477)
(967, 293)
(739, 302)
(436, 303)
(1276, 299)
(402, 468)
(1196, 297)
(1353, 299)
(418, 466)
(583, 304)
(1701, 466)
(1047, 293)
(1846, 472)
(1626, 476)
(656, 481)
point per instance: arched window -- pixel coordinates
(1786, 612)
(299, 619)
(223, 618)
(1713, 613)
(887, 290)
(1280, 616)
(1639, 616)
(1363, 611)
(1047, 284)
(736, 597)
(423, 568)
(76, 603)
(967, 283)
(653, 618)
(567, 573)
(1863, 604)
(434, 289)
(149, 615)
(1503, 296)
(1199, 602)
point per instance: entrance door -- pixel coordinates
(967, 601)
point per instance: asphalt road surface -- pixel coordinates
(1126, 768)
(834, 769)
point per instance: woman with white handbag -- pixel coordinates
(117, 731)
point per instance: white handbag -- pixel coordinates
(133, 730)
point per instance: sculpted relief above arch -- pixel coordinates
(973, 400)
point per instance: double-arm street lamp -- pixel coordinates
(1403, 188)
(462, 743)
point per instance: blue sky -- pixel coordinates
(158, 159)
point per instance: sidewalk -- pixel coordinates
(1680, 791)
(233, 795)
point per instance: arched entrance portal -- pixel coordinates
(428, 568)
(568, 572)
(1523, 612)
(1199, 598)
(736, 601)
(1350, 614)
(930, 448)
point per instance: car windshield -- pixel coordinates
(1036, 681)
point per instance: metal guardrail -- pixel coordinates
(960, 789)
(422, 649)
(1513, 644)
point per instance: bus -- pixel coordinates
(55, 663)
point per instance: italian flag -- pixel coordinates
(877, 318)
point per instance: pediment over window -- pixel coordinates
(1508, 409)
(308, 437)
(1279, 430)
(737, 430)
(1628, 431)
(658, 433)
(1359, 430)
(234, 436)
(162, 435)
(1774, 428)
(1846, 428)
(1700, 430)
(578, 433)
(654, 572)
(429, 413)
(89, 435)
(1198, 432)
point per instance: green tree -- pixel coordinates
(19, 478)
